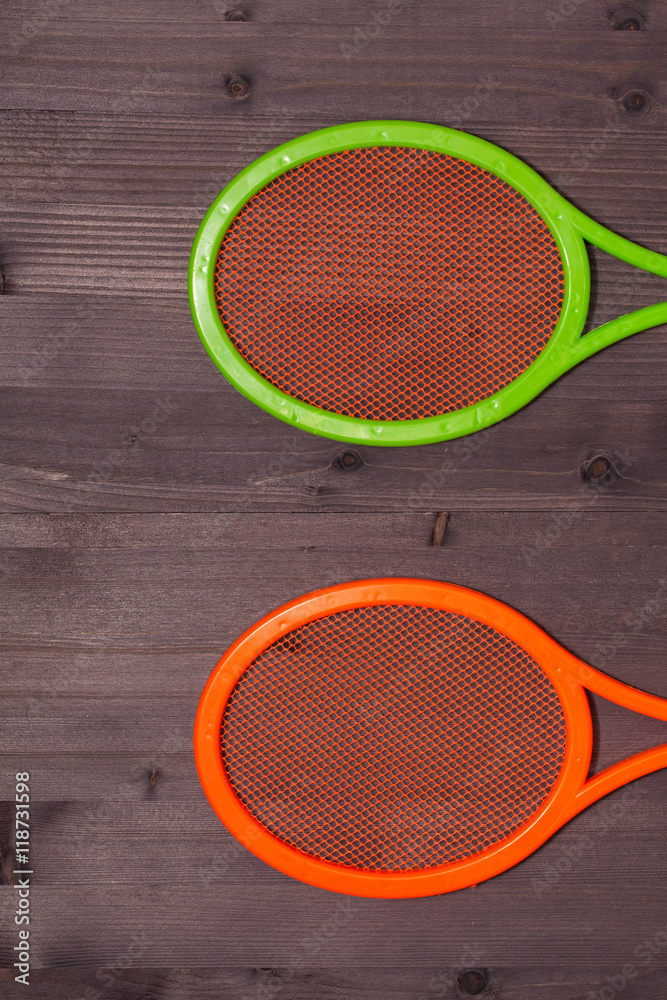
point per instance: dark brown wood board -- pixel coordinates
(149, 513)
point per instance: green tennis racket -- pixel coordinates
(397, 283)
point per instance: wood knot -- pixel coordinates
(636, 102)
(599, 471)
(626, 18)
(349, 460)
(471, 982)
(237, 87)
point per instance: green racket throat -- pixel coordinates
(564, 348)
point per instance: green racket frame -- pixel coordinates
(564, 349)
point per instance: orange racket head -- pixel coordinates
(398, 737)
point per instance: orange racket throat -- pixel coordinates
(397, 738)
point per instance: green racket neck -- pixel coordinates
(647, 260)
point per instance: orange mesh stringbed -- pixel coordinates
(393, 738)
(389, 283)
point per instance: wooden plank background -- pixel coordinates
(149, 513)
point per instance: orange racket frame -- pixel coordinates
(571, 792)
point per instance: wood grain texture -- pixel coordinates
(180, 15)
(117, 253)
(92, 591)
(283, 923)
(112, 404)
(180, 67)
(121, 848)
(69, 767)
(141, 252)
(117, 620)
(136, 450)
(613, 171)
(372, 983)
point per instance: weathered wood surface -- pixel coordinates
(143, 160)
(179, 66)
(137, 446)
(114, 624)
(151, 514)
(76, 459)
(180, 16)
(373, 983)
(112, 404)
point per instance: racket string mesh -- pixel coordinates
(393, 738)
(389, 283)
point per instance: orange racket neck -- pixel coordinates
(629, 768)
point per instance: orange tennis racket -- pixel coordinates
(398, 737)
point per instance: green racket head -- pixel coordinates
(398, 283)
